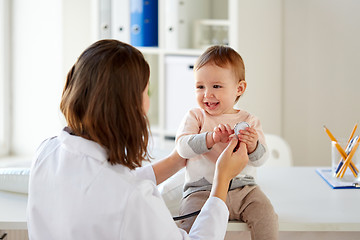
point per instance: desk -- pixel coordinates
(301, 198)
(12, 211)
(305, 202)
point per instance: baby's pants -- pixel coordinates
(247, 204)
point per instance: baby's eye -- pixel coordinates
(199, 87)
(216, 86)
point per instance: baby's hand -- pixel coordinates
(222, 133)
(250, 137)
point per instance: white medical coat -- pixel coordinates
(74, 193)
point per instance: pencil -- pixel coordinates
(341, 165)
(343, 157)
(341, 150)
(338, 147)
(351, 136)
(347, 161)
(352, 133)
(330, 134)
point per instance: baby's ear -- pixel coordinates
(241, 87)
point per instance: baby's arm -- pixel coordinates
(254, 139)
(189, 146)
(250, 137)
(189, 141)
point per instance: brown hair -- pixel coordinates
(102, 100)
(223, 56)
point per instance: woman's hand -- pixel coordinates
(228, 165)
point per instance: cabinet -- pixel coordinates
(185, 29)
(14, 235)
(179, 90)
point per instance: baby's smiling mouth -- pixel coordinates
(211, 104)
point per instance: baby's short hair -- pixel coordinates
(223, 56)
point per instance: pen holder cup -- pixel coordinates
(338, 161)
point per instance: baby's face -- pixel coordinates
(216, 89)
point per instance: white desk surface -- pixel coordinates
(301, 198)
(305, 202)
(12, 210)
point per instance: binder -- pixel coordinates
(335, 183)
(180, 17)
(105, 19)
(120, 20)
(144, 23)
(172, 24)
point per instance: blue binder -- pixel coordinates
(144, 23)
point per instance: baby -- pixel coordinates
(205, 132)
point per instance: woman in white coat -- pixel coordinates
(89, 183)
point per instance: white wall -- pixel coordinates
(47, 38)
(321, 75)
(36, 73)
(4, 76)
(79, 29)
(259, 42)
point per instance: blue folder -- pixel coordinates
(144, 23)
(334, 182)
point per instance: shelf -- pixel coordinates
(215, 22)
(185, 52)
(154, 50)
(150, 50)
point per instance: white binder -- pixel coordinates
(105, 19)
(180, 16)
(120, 20)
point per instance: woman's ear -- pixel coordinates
(241, 87)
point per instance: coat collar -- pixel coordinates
(82, 145)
